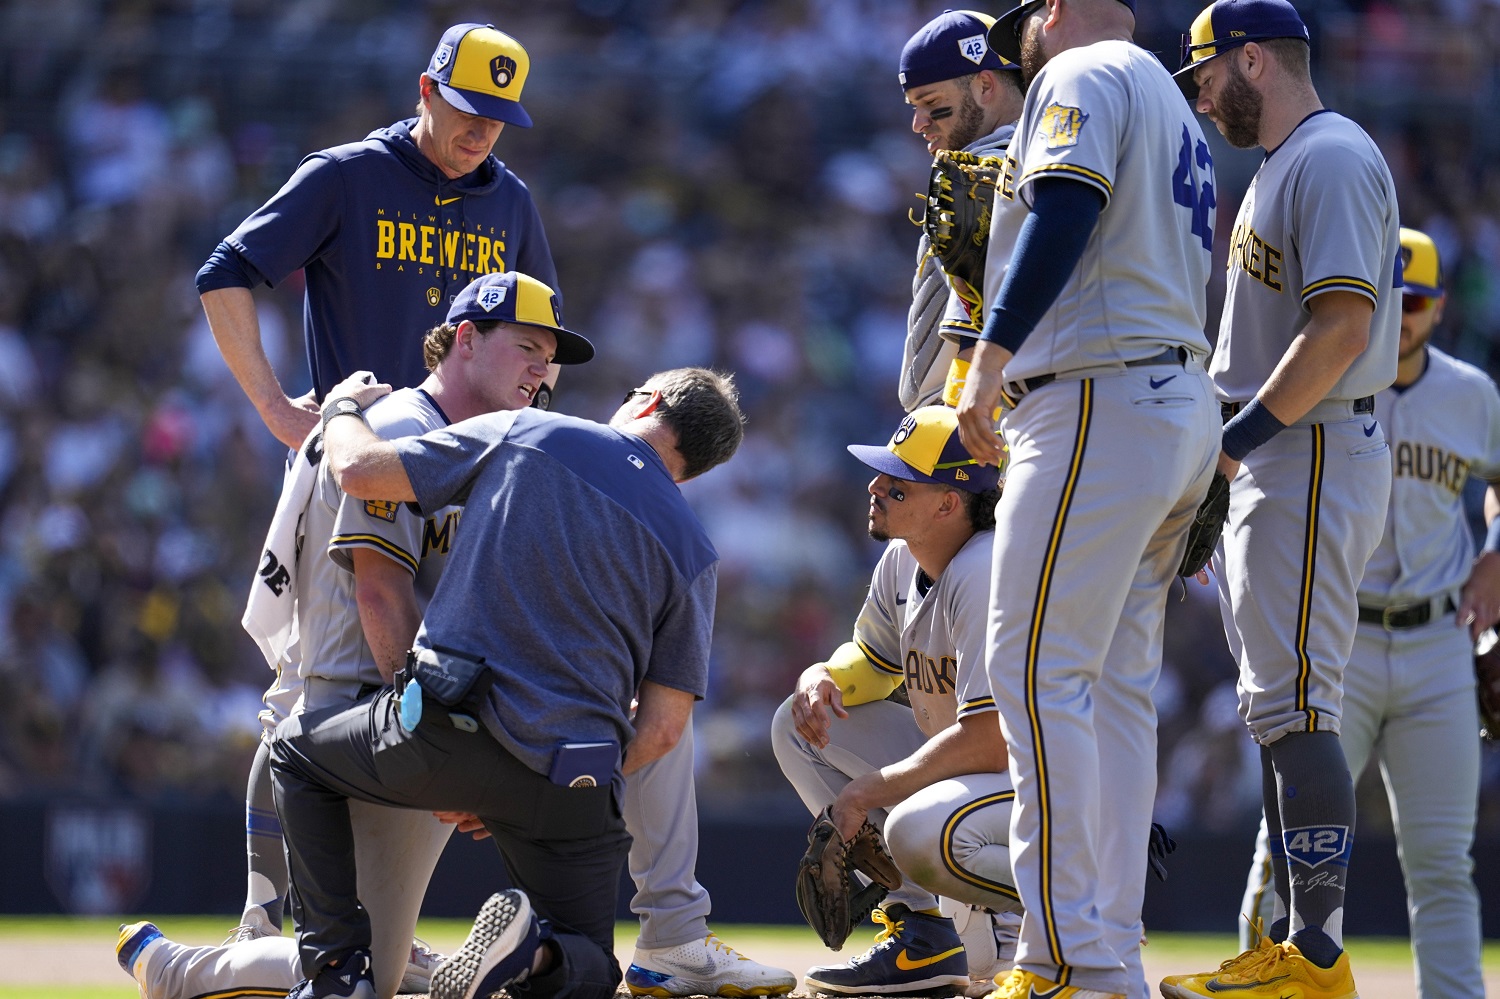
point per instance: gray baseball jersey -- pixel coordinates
(931, 632)
(1409, 692)
(1108, 464)
(1109, 115)
(1442, 428)
(333, 640)
(936, 309)
(1319, 216)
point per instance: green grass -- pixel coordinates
(1189, 950)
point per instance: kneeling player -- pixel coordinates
(932, 773)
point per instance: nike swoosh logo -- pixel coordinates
(1158, 384)
(900, 601)
(1370, 430)
(1049, 994)
(1214, 985)
(445, 201)
(907, 964)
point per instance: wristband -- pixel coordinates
(958, 373)
(1250, 428)
(342, 406)
(1492, 536)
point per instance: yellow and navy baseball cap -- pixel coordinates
(1228, 24)
(1005, 33)
(953, 44)
(1421, 268)
(519, 298)
(926, 448)
(481, 71)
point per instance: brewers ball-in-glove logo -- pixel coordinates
(905, 430)
(973, 48)
(490, 297)
(434, 296)
(1061, 125)
(502, 70)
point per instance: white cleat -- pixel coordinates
(707, 967)
(254, 924)
(419, 968)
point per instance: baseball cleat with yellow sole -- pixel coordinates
(1268, 971)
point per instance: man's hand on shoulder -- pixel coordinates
(361, 386)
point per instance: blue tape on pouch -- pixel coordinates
(411, 706)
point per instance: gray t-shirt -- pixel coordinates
(1320, 216)
(580, 572)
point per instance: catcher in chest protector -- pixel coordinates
(929, 773)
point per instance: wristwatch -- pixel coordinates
(342, 406)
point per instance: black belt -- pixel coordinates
(1172, 355)
(1408, 616)
(1227, 410)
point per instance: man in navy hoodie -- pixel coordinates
(388, 230)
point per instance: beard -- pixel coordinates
(1032, 56)
(1239, 110)
(968, 120)
(878, 534)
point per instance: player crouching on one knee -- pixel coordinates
(932, 773)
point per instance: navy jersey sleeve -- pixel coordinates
(297, 225)
(534, 258)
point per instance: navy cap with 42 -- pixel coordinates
(519, 298)
(1228, 24)
(953, 44)
(1005, 35)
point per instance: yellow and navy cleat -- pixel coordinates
(707, 967)
(1029, 985)
(1270, 970)
(915, 954)
(136, 941)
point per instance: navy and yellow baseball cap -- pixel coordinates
(1421, 266)
(953, 44)
(1228, 24)
(519, 298)
(1005, 32)
(926, 448)
(481, 71)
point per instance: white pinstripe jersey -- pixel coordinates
(933, 634)
(1109, 115)
(1442, 428)
(1320, 216)
(332, 639)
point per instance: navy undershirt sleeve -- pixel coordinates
(1048, 248)
(225, 268)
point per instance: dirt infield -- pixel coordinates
(88, 961)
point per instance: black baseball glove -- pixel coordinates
(1487, 675)
(1207, 526)
(960, 201)
(827, 895)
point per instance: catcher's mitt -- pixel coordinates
(960, 200)
(1208, 524)
(1487, 672)
(827, 895)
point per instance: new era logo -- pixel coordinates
(490, 297)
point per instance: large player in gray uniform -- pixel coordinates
(353, 577)
(1409, 686)
(1095, 341)
(963, 96)
(939, 763)
(1308, 336)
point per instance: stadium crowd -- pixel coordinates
(724, 182)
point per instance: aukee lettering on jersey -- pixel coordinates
(929, 675)
(420, 239)
(1431, 464)
(439, 538)
(1255, 256)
